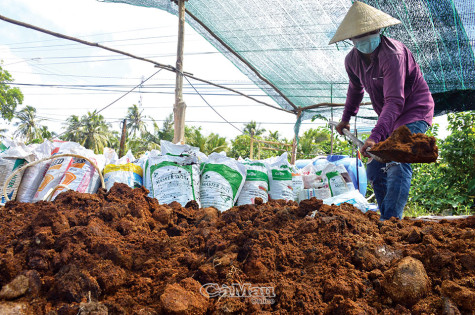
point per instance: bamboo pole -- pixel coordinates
(293, 156)
(273, 142)
(252, 145)
(180, 106)
(122, 138)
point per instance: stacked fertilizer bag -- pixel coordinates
(222, 179)
(34, 174)
(332, 184)
(68, 172)
(125, 170)
(256, 184)
(280, 178)
(174, 173)
(13, 155)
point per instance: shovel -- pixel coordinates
(402, 146)
(359, 143)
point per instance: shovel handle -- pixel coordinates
(355, 141)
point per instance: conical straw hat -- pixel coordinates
(360, 19)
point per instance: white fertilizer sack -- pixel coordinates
(280, 178)
(222, 179)
(174, 176)
(336, 182)
(7, 167)
(256, 184)
(57, 168)
(34, 174)
(124, 170)
(11, 159)
(130, 174)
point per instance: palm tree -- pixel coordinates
(194, 137)
(29, 126)
(135, 122)
(95, 131)
(251, 127)
(91, 131)
(215, 143)
(167, 131)
(273, 136)
(206, 144)
(73, 129)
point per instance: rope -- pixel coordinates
(212, 106)
(46, 159)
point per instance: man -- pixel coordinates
(387, 71)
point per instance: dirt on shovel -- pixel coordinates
(406, 147)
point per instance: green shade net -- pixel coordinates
(282, 46)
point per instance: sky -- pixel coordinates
(61, 78)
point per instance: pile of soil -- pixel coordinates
(406, 147)
(120, 252)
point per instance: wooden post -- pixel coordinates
(331, 110)
(252, 145)
(122, 138)
(293, 156)
(259, 150)
(180, 106)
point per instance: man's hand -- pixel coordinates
(341, 125)
(367, 145)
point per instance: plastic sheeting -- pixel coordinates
(283, 46)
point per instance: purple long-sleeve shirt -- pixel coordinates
(395, 84)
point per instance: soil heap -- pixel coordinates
(120, 252)
(406, 147)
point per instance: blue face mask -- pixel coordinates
(368, 43)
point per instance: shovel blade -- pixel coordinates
(404, 156)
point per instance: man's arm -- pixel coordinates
(394, 76)
(354, 96)
(355, 93)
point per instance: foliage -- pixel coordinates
(253, 127)
(446, 186)
(151, 140)
(240, 147)
(91, 131)
(135, 122)
(206, 144)
(29, 127)
(316, 142)
(10, 97)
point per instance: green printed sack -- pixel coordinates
(256, 184)
(280, 178)
(222, 179)
(172, 178)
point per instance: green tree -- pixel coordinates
(91, 131)
(317, 141)
(241, 147)
(167, 131)
(29, 127)
(258, 131)
(206, 144)
(10, 97)
(135, 122)
(273, 136)
(451, 180)
(73, 129)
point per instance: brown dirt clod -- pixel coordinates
(120, 252)
(406, 147)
